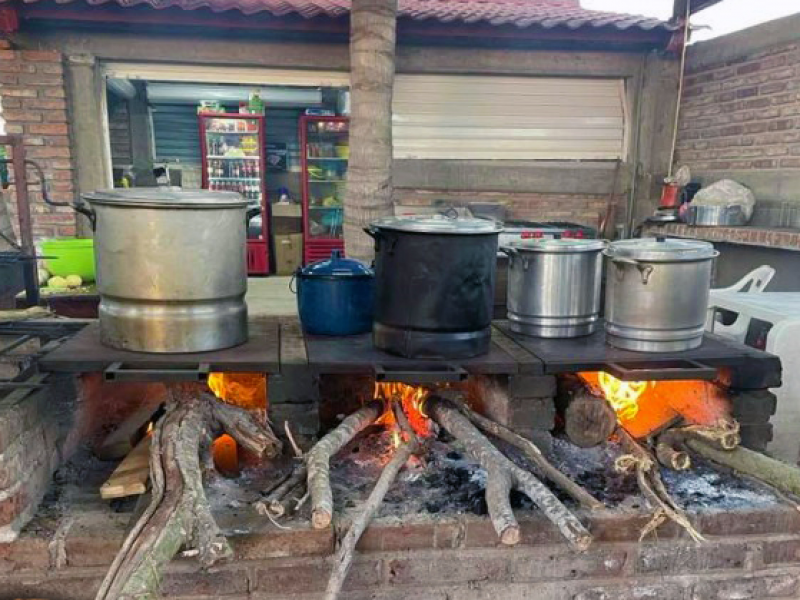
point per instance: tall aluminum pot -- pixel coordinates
(434, 285)
(657, 293)
(554, 287)
(171, 269)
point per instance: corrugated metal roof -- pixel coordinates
(520, 13)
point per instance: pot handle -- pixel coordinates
(292, 286)
(645, 270)
(78, 206)
(377, 235)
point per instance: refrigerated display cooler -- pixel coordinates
(233, 157)
(324, 152)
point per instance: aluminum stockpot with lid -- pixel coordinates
(434, 285)
(171, 268)
(657, 293)
(554, 286)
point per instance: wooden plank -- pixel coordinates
(131, 475)
(120, 442)
(529, 364)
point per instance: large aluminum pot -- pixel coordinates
(434, 285)
(657, 293)
(554, 286)
(171, 269)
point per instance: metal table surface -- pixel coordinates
(84, 353)
(591, 353)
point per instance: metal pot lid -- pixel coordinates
(439, 224)
(557, 246)
(337, 267)
(166, 198)
(661, 249)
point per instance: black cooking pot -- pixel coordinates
(434, 285)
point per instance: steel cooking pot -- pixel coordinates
(171, 269)
(434, 285)
(335, 296)
(554, 286)
(657, 293)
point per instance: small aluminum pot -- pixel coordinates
(554, 287)
(657, 293)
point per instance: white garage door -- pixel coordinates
(519, 118)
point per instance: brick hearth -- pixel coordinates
(749, 555)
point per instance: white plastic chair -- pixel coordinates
(752, 283)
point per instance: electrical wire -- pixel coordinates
(686, 30)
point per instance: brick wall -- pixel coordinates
(581, 209)
(119, 129)
(748, 556)
(33, 95)
(743, 114)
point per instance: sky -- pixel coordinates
(726, 17)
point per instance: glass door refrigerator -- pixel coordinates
(325, 151)
(233, 158)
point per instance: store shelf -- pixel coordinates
(235, 178)
(233, 157)
(231, 132)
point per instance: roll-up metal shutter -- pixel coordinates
(176, 132)
(517, 118)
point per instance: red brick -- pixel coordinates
(49, 129)
(565, 564)
(9, 102)
(284, 543)
(298, 576)
(218, 582)
(7, 79)
(50, 69)
(53, 93)
(784, 551)
(54, 586)
(5, 44)
(13, 505)
(10, 66)
(49, 153)
(679, 558)
(8, 55)
(47, 104)
(423, 569)
(27, 552)
(54, 116)
(19, 92)
(41, 55)
(41, 79)
(385, 538)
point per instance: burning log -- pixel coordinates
(534, 455)
(275, 503)
(589, 420)
(503, 475)
(669, 455)
(782, 476)
(344, 555)
(178, 514)
(318, 461)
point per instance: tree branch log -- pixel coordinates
(780, 475)
(318, 461)
(344, 555)
(533, 454)
(503, 475)
(178, 514)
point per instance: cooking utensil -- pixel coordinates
(706, 215)
(171, 269)
(554, 286)
(434, 285)
(657, 293)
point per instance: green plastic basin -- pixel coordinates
(70, 256)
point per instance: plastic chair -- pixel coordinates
(752, 283)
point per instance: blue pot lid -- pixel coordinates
(336, 266)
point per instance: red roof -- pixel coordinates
(521, 13)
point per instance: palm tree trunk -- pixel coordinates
(369, 175)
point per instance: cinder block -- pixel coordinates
(532, 386)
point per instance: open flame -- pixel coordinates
(412, 399)
(245, 390)
(646, 407)
(623, 396)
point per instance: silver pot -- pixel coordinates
(657, 293)
(704, 215)
(554, 287)
(171, 269)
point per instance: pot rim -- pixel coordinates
(556, 246)
(672, 251)
(438, 225)
(170, 198)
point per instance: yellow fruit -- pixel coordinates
(57, 282)
(74, 281)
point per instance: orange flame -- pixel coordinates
(623, 396)
(412, 399)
